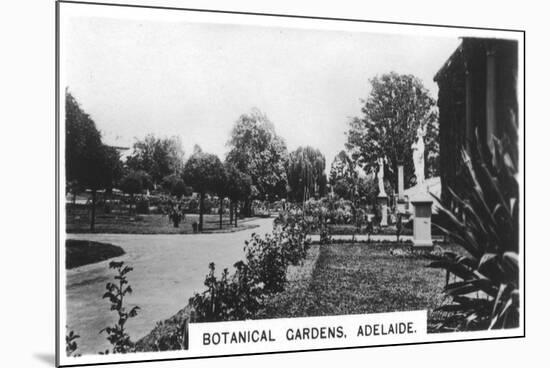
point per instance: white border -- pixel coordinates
(68, 10)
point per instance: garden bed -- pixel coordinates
(170, 334)
(82, 252)
(298, 281)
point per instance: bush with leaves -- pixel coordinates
(230, 297)
(240, 295)
(116, 292)
(70, 344)
(484, 220)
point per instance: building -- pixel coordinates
(477, 92)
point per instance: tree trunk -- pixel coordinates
(236, 215)
(247, 208)
(132, 199)
(73, 210)
(221, 212)
(92, 220)
(231, 204)
(201, 210)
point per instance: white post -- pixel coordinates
(422, 223)
(383, 203)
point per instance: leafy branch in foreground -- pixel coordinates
(116, 334)
(239, 295)
(484, 220)
(70, 344)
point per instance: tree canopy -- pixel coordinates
(342, 168)
(306, 173)
(88, 161)
(256, 150)
(135, 182)
(174, 185)
(238, 184)
(204, 172)
(158, 157)
(396, 107)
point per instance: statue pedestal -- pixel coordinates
(383, 206)
(401, 206)
(422, 223)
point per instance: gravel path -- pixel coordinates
(168, 269)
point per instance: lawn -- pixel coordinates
(359, 278)
(79, 222)
(83, 252)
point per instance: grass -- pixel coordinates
(83, 252)
(79, 222)
(357, 278)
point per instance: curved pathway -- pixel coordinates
(168, 269)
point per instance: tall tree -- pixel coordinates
(173, 184)
(204, 172)
(88, 161)
(158, 157)
(135, 182)
(238, 188)
(342, 168)
(306, 173)
(396, 107)
(343, 176)
(256, 150)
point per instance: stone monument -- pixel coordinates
(422, 202)
(401, 204)
(382, 196)
(418, 156)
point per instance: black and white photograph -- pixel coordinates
(233, 183)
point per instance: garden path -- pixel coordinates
(168, 269)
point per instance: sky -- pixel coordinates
(194, 80)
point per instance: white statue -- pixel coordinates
(418, 156)
(381, 190)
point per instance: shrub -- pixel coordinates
(228, 298)
(484, 221)
(70, 344)
(263, 272)
(116, 334)
(173, 336)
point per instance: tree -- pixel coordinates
(256, 150)
(238, 188)
(158, 157)
(221, 191)
(342, 167)
(306, 173)
(396, 107)
(81, 135)
(135, 182)
(173, 184)
(89, 163)
(204, 172)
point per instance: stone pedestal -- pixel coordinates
(383, 206)
(401, 206)
(400, 183)
(422, 223)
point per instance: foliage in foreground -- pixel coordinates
(484, 221)
(70, 344)
(240, 295)
(116, 334)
